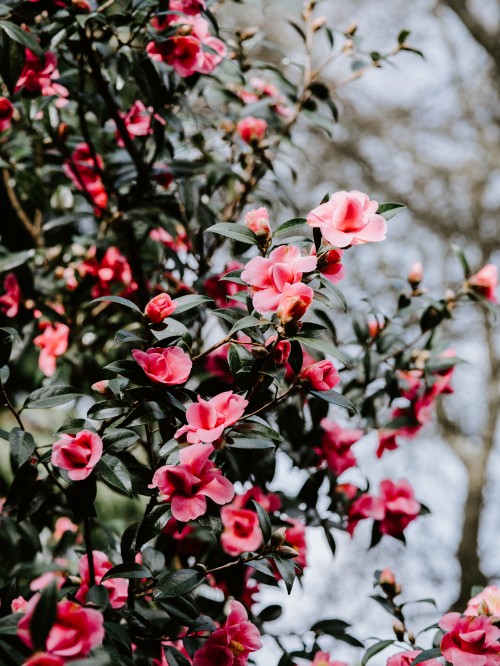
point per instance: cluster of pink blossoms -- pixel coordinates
(39, 76)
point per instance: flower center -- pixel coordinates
(236, 648)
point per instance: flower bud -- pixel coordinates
(278, 537)
(399, 630)
(287, 552)
(416, 275)
(101, 386)
(159, 308)
(257, 220)
(294, 302)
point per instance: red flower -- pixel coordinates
(485, 282)
(336, 446)
(83, 170)
(159, 308)
(251, 130)
(470, 641)
(399, 505)
(38, 76)
(9, 302)
(117, 587)
(6, 113)
(241, 530)
(321, 376)
(78, 454)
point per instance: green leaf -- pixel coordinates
(331, 627)
(234, 231)
(108, 409)
(20, 36)
(287, 571)
(51, 396)
(403, 36)
(119, 300)
(335, 398)
(111, 470)
(433, 653)
(127, 570)
(180, 582)
(270, 613)
(15, 259)
(248, 322)
(335, 291)
(22, 446)
(119, 439)
(184, 303)
(247, 429)
(248, 443)
(321, 345)
(388, 210)
(148, 412)
(153, 523)
(289, 225)
(264, 522)
(44, 615)
(375, 649)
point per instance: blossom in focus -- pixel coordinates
(320, 376)
(251, 129)
(294, 302)
(159, 308)
(9, 301)
(470, 641)
(53, 342)
(232, 644)
(78, 454)
(485, 282)
(169, 365)
(241, 531)
(117, 587)
(75, 631)
(257, 220)
(349, 218)
(188, 484)
(207, 419)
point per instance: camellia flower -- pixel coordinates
(487, 602)
(294, 302)
(330, 264)
(348, 218)
(241, 530)
(295, 537)
(38, 76)
(257, 220)
(84, 172)
(188, 484)
(159, 308)
(179, 243)
(267, 276)
(19, 605)
(281, 350)
(336, 446)
(169, 365)
(53, 342)
(320, 376)
(75, 631)
(406, 658)
(6, 113)
(485, 282)
(207, 419)
(470, 641)
(399, 505)
(112, 269)
(363, 507)
(64, 524)
(78, 454)
(269, 501)
(137, 121)
(117, 587)
(9, 302)
(386, 442)
(251, 129)
(324, 659)
(232, 644)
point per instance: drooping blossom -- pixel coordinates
(399, 505)
(324, 659)
(83, 168)
(470, 641)
(349, 218)
(330, 264)
(257, 220)
(159, 308)
(267, 276)
(251, 129)
(406, 658)
(188, 484)
(232, 644)
(487, 602)
(53, 342)
(222, 290)
(241, 531)
(169, 365)
(75, 631)
(207, 419)
(6, 113)
(320, 376)
(39, 76)
(336, 444)
(9, 301)
(117, 587)
(78, 454)
(485, 282)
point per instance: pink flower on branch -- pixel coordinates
(53, 342)
(9, 301)
(251, 130)
(485, 282)
(207, 419)
(78, 454)
(336, 446)
(241, 530)
(39, 75)
(117, 587)
(159, 308)
(169, 365)
(470, 641)
(320, 376)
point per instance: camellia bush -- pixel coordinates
(166, 341)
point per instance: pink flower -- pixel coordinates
(267, 276)
(137, 121)
(78, 454)
(321, 376)
(159, 308)
(294, 302)
(330, 264)
(251, 129)
(188, 484)
(270, 501)
(6, 113)
(323, 659)
(406, 658)
(485, 282)
(53, 342)
(386, 442)
(241, 530)
(349, 218)
(416, 274)
(207, 419)
(117, 587)
(75, 632)
(232, 643)
(63, 525)
(19, 605)
(487, 602)
(257, 220)
(84, 172)
(222, 290)
(470, 641)
(9, 302)
(170, 365)
(40, 583)
(296, 538)
(400, 506)
(111, 269)
(38, 76)
(190, 7)
(179, 244)
(44, 659)
(281, 350)
(336, 446)
(363, 507)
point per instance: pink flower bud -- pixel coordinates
(251, 130)
(257, 220)
(159, 308)
(101, 386)
(321, 376)
(281, 351)
(294, 302)
(416, 274)
(485, 282)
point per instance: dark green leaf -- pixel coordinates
(21, 36)
(180, 582)
(388, 210)
(270, 613)
(321, 345)
(375, 649)
(108, 409)
(51, 396)
(287, 571)
(331, 627)
(264, 522)
(119, 300)
(335, 398)
(44, 615)
(111, 470)
(234, 231)
(22, 446)
(184, 303)
(433, 653)
(289, 225)
(153, 523)
(127, 570)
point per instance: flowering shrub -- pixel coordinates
(175, 334)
